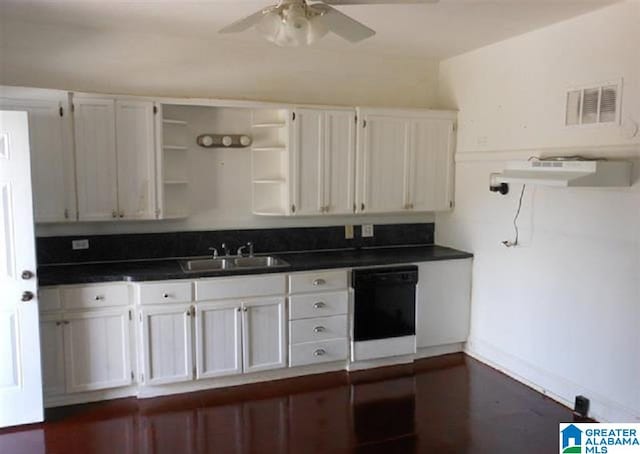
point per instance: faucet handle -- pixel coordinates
(240, 250)
(250, 246)
(215, 252)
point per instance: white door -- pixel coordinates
(94, 126)
(97, 350)
(383, 148)
(307, 162)
(339, 161)
(166, 339)
(52, 346)
(20, 374)
(52, 165)
(135, 144)
(443, 302)
(430, 165)
(263, 334)
(218, 339)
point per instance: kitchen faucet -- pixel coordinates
(225, 249)
(243, 247)
(215, 252)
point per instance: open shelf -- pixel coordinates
(270, 181)
(276, 148)
(270, 125)
(175, 147)
(169, 121)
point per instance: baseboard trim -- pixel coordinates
(555, 387)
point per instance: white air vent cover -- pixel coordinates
(595, 104)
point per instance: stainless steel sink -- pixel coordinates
(232, 263)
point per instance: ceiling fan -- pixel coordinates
(298, 23)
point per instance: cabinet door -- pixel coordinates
(443, 302)
(135, 144)
(52, 353)
(218, 339)
(166, 344)
(339, 161)
(97, 350)
(263, 334)
(94, 124)
(307, 161)
(430, 165)
(383, 151)
(52, 166)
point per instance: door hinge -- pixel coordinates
(130, 315)
(293, 208)
(364, 123)
(61, 111)
(155, 110)
(73, 107)
(293, 116)
(356, 118)
(451, 204)
(355, 208)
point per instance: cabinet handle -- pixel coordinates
(98, 298)
(293, 208)
(66, 213)
(58, 323)
(318, 282)
(318, 329)
(239, 309)
(319, 305)
(66, 322)
(319, 352)
(245, 309)
(165, 295)
(114, 214)
(121, 214)
(362, 207)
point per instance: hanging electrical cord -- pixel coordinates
(515, 221)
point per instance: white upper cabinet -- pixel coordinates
(405, 161)
(383, 149)
(51, 142)
(322, 161)
(115, 158)
(96, 165)
(136, 159)
(430, 175)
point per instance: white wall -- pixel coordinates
(562, 311)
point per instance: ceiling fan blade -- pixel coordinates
(342, 25)
(243, 24)
(376, 2)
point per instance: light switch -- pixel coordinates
(348, 232)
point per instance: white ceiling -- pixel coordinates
(433, 31)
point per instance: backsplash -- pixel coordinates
(52, 250)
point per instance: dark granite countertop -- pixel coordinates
(156, 270)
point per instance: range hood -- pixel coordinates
(567, 173)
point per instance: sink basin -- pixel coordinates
(231, 263)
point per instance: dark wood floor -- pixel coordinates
(451, 404)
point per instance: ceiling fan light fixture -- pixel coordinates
(291, 26)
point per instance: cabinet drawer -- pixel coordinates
(318, 329)
(318, 305)
(166, 292)
(240, 287)
(95, 296)
(49, 299)
(318, 352)
(319, 281)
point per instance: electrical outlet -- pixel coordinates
(348, 232)
(79, 244)
(581, 406)
(367, 230)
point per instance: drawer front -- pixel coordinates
(318, 329)
(167, 292)
(317, 281)
(240, 287)
(49, 299)
(95, 296)
(318, 352)
(318, 305)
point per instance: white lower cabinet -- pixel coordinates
(443, 302)
(96, 348)
(218, 339)
(52, 348)
(167, 344)
(263, 334)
